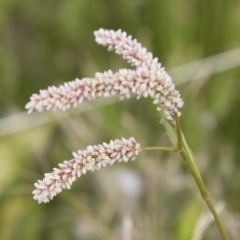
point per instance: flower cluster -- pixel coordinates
(90, 159)
(148, 80)
(131, 50)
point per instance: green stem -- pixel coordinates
(188, 159)
(186, 153)
(190, 162)
(164, 149)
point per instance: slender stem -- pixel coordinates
(189, 153)
(190, 162)
(165, 149)
(178, 148)
(195, 173)
(186, 153)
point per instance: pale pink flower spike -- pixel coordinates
(92, 158)
(148, 80)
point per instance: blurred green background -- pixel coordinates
(45, 43)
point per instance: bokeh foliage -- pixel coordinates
(45, 43)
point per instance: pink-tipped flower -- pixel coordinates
(148, 80)
(105, 84)
(160, 83)
(129, 48)
(124, 83)
(92, 158)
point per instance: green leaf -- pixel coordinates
(170, 130)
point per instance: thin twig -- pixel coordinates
(190, 162)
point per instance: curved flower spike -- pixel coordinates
(129, 48)
(165, 93)
(124, 83)
(92, 158)
(148, 80)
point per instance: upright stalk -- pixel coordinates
(183, 148)
(190, 162)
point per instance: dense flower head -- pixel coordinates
(158, 82)
(92, 158)
(130, 49)
(124, 83)
(148, 80)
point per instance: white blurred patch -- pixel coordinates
(129, 183)
(204, 221)
(120, 184)
(84, 228)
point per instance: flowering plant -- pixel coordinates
(148, 79)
